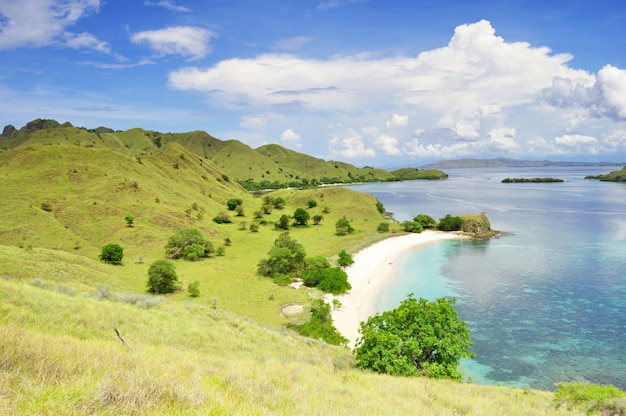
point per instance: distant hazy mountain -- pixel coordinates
(509, 163)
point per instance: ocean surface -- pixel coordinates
(546, 300)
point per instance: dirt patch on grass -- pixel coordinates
(291, 309)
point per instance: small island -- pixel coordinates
(531, 180)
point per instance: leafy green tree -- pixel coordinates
(234, 203)
(321, 325)
(425, 221)
(129, 220)
(175, 247)
(412, 227)
(330, 280)
(283, 222)
(317, 219)
(222, 218)
(383, 227)
(112, 254)
(301, 216)
(286, 257)
(311, 203)
(345, 259)
(194, 289)
(450, 223)
(418, 338)
(343, 226)
(162, 277)
(278, 202)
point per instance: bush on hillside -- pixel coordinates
(343, 226)
(301, 216)
(329, 280)
(234, 203)
(321, 325)
(188, 243)
(162, 277)
(286, 257)
(112, 254)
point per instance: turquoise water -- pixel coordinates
(546, 301)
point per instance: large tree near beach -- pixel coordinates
(418, 338)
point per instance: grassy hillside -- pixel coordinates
(59, 354)
(268, 167)
(225, 352)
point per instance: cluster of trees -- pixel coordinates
(287, 261)
(423, 222)
(321, 325)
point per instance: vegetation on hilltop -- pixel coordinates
(268, 167)
(615, 176)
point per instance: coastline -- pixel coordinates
(373, 267)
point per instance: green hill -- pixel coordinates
(65, 193)
(268, 167)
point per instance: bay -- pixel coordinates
(546, 301)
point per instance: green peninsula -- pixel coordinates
(615, 176)
(531, 180)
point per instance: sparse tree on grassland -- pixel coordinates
(162, 277)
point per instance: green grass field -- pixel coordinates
(225, 352)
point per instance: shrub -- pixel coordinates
(380, 207)
(329, 280)
(176, 245)
(597, 398)
(301, 216)
(345, 259)
(343, 226)
(162, 277)
(311, 203)
(254, 228)
(112, 254)
(234, 203)
(450, 223)
(129, 220)
(425, 221)
(383, 227)
(321, 325)
(283, 222)
(194, 289)
(222, 218)
(317, 219)
(285, 257)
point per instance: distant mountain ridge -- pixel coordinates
(509, 163)
(267, 167)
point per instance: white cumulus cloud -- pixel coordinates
(290, 136)
(39, 23)
(187, 41)
(388, 145)
(350, 146)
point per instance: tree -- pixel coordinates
(425, 221)
(283, 222)
(330, 280)
(301, 216)
(380, 207)
(112, 254)
(343, 226)
(286, 257)
(129, 220)
(177, 244)
(278, 202)
(450, 223)
(162, 277)
(317, 219)
(234, 203)
(419, 338)
(311, 203)
(345, 259)
(383, 227)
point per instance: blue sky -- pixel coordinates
(369, 82)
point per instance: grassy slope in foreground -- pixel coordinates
(60, 355)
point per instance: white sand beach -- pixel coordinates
(373, 266)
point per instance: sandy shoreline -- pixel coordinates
(372, 268)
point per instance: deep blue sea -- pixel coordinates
(546, 301)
